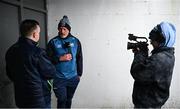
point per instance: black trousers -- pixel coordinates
(64, 90)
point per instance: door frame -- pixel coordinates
(21, 6)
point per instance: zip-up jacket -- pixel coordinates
(58, 47)
(29, 67)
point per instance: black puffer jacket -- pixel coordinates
(29, 68)
(152, 77)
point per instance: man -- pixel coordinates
(153, 74)
(28, 67)
(66, 54)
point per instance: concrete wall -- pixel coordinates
(102, 27)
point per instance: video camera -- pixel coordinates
(138, 44)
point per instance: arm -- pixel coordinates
(9, 73)
(9, 64)
(51, 54)
(143, 67)
(79, 59)
(45, 67)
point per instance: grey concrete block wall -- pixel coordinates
(102, 26)
(6, 92)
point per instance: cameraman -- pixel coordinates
(153, 74)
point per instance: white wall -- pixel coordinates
(102, 27)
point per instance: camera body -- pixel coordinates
(137, 44)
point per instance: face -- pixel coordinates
(36, 34)
(64, 32)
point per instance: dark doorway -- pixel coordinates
(12, 13)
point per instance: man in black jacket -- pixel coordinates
(152, 74)
(29, 69)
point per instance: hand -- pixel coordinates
(135, 50)
(143, 46)
(144, 49)
(66, 57)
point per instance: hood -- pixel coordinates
(169, 33)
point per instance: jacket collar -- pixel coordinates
(27, 40)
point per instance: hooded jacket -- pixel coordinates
(153, 74)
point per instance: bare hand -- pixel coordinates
(66, 57)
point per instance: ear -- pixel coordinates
(34, 34)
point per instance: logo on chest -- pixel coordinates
(59, 46)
